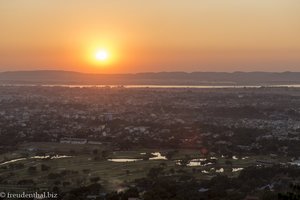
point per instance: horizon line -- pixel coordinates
(147, 72)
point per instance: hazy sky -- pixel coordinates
(156, 35)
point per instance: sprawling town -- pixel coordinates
(151, 143)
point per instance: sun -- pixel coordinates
(101, 55)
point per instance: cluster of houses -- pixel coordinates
(95, 115)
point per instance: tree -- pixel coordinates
(155, 172)
(171, 154)
(94, 179)
(32, 170)
(228, 162)
(185, 161)
(45, 167)
(95, 151)
(105, 154)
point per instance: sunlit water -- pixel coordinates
(123, 160)
(36, 157)
(198, 162)
(237, 169)
(156, 86)
(12, 161)
(158, 156)
(51, 157)
(221, 170)
(296, 162)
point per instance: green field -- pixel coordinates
(82, 166)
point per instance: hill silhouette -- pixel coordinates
(159, 78)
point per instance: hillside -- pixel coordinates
(162, 78)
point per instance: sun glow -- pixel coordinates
(101, 55)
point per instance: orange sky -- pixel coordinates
(156, 35)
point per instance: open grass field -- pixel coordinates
(86, 164)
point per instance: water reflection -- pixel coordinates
(202, 162)
(221, 170)
(122, 160)
(36, 157)
(296, 162)
(235, 158)
(156, 86)
(194, 164)
(12, 161)
(237, 169)
(158, 156)
(211, 170)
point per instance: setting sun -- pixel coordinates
(101, 55)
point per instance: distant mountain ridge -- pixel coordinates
(151, 78)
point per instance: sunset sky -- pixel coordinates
(129, 36)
